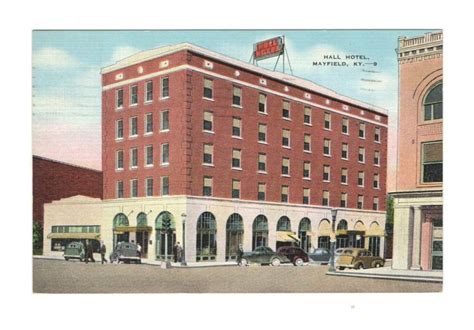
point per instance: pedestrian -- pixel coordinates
(89, 252)
(139, 250)
(240, 253)
(179, 252)
(103, 250)
(175, 252)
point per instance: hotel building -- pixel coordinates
(231, 153)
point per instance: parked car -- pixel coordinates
(320, 256)
(74, 250)
(263, 255)
(125, 252)
(358, 259)
(295, 254)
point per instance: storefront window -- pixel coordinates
(305, 238)
(260, 232)
(284, 224)
(164, 241)
(206, 237)
(234, 235)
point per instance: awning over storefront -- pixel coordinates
(128, 229)
(375, 230)
(74, 235)
(287, 236)
(349, 232)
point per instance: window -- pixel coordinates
(307, 115)
(207, 154)
(165, 121)
(307, 143)
(119, 160)
(345, 126)
(432, 162)
(327, 120)
(286, 109)
(377, 134)
(149, 155)
(165, 154)
(361, 155)
(261, 191)
(133, 158)
(134, 95)
(360, 179)
(325, 198)
(134, 188)
(262, 103)
(285, 140)
(343, 199)
(262, 133)
(208, 121)
(236, 127)
(375, 204)
(345, 151)
(148, 123)
(149, 91)
(344, 176)
(377, 158)
(362, 130)
(306, 170)
(235, 188)
(165, 185)
(376, 181)
(360, 201)
(119, 129)
(326, 173)
(237, 96)
(327, 147)
(262, 162)
(133, 126)
(207, 186)
(285, 167)
(119, 189)
(433, 104)
(284, 194)
(165, 87)
(208, 84)
(306, 193)
(119, 99)
(149, 187)
(236, 157)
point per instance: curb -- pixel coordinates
(390, 277)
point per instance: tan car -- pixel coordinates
(358, 259)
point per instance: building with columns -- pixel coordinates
(231, 153)
(418, 199)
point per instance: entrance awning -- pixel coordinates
(287, 236)
(128, 229)
(74, 235)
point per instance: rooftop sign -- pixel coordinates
(268, 48)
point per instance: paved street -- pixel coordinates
(58, 276)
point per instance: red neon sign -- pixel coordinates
(268, 48)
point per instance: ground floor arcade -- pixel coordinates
(207, 228)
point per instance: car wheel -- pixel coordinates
(276, 262)
(66, 259)
(341, 268)
(359, 266)
(244, 262)
(298, 262)
(378, 265)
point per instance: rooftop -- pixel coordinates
(286, 78)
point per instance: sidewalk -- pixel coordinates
(392, 274)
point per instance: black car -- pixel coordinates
(125, 252)
(265, 256)
(295, 254)
(320, 256)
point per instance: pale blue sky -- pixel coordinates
(66, 74)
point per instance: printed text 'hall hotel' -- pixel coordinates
(231, 153)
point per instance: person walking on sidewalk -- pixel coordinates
(103, 250)
(179, 252)
(175, 252)
(240, 253)
(89, 251)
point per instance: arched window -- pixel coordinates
(234, 235)
(342, 239)
(433, 103)
(164, 241)
(120, 235)
(120, 220)
(342, 225)
(206, 237)
(260, 232)
(304, 235)
(142, 220)
(284, 224)
(159, 220)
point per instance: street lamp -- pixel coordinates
(183, 258)
(333, 240)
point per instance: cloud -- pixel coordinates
(122, 52)
(49, 57)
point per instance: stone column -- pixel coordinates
(220, 238)
(382, 247)
(401, 238)
(416, 239)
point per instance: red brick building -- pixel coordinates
(53, 180)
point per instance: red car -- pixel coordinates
(295, 254)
